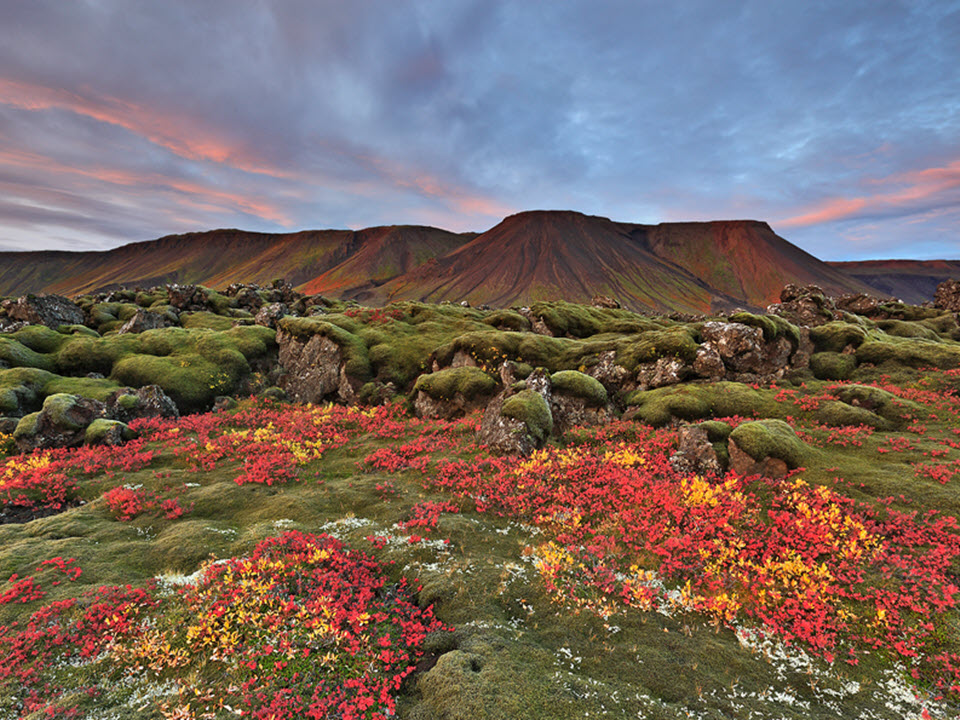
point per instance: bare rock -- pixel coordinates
(270, 314)
(50, 310)
(740, 346)
(312, 368)
(603, 301)
(708, 363)
(612, 376)
(537, 324)
(663, 372)
(128, 404)
(570, 411)
(862, 304)
(947, 296)
(186, 297)
(145, 320)
(806, 306)
(743, 464)
(695, 453)
(517, 423)
(461, 358)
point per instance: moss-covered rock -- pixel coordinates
(772, 326)
(26, 429)
(832, 365)
(529, 407)
(580, 385)
(910, 353)
(470, 382)
(771, 438)
(836, 336)
(107, 432)
(717, 431)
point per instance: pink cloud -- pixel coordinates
(904, 191)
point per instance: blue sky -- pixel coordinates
(836, 122)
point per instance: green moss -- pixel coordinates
(208, 320)
(95, 388)
(773, 326)
(39, 338)
(16, 354)
(771, 438)
(905, 329)
(832, 365)
(913, 353)
(59, 408)
(579, 321)
(27, 427)
(507, 320)
(716, 430)
(83, 354)
(99, 429)
(191, 380)
(693, 401)
(835, 336)
(470, 382)
(77, 330)
(879, 402)
(580, 385)
(529, 407)
(679, 342)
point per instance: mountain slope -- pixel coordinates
(219, 257)
(690, 267)
(913, 281)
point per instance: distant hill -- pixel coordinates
(686, 267)
(913, 281)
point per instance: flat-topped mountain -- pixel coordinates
(536, 255)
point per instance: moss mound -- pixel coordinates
(772, 326)
(694, 401)
(578, 384)
(832, 365)
(529, 407)
(470, 382)
(912, 353)
(771, 438)
(837, 335)
(102, 430)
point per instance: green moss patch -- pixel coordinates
(772, 326)
(771, 438)
(832, 365)
(470, 382)
(529, 407)
(837, 335)
(578, 384)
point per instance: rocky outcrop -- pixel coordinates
(187, 297)
(603, 301)
(62, 422)
(128, 404)
(695, 454)
(50, 310)
(146, 320)
(808, 306)
(107, 432)
(662, 372)
(269, 315)
(947, 296)
(613, 376)
(519, 421)
(312, 369)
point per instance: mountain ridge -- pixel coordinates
(699, 267)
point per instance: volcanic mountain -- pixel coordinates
(219, 257)
(913, 281)
(688, 267)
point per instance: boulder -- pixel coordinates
(603, 301)
(577, 399)
(695, 453)
(708, 363)
(613, 376)
(519, 422)
(862, 304)
(663, 372)
(187, 297)
(947, 296)
(270, 314)
(62, 422)
(453, 392)
(145, 320)
(313, 369)
(50, 310)
(128, 404)
(107, 432)
(807, 306)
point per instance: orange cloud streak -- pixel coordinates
(212, 198)
(905, 189)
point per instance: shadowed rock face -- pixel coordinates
(49, 310)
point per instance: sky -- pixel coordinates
(126, 120)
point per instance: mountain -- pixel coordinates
(219, 257)
(913, 281)
(697, 267)
(690, 267)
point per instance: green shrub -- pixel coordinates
(580, 385)
(470, 382)
(529, 407)
(771, 438)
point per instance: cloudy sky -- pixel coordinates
(837, 122)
